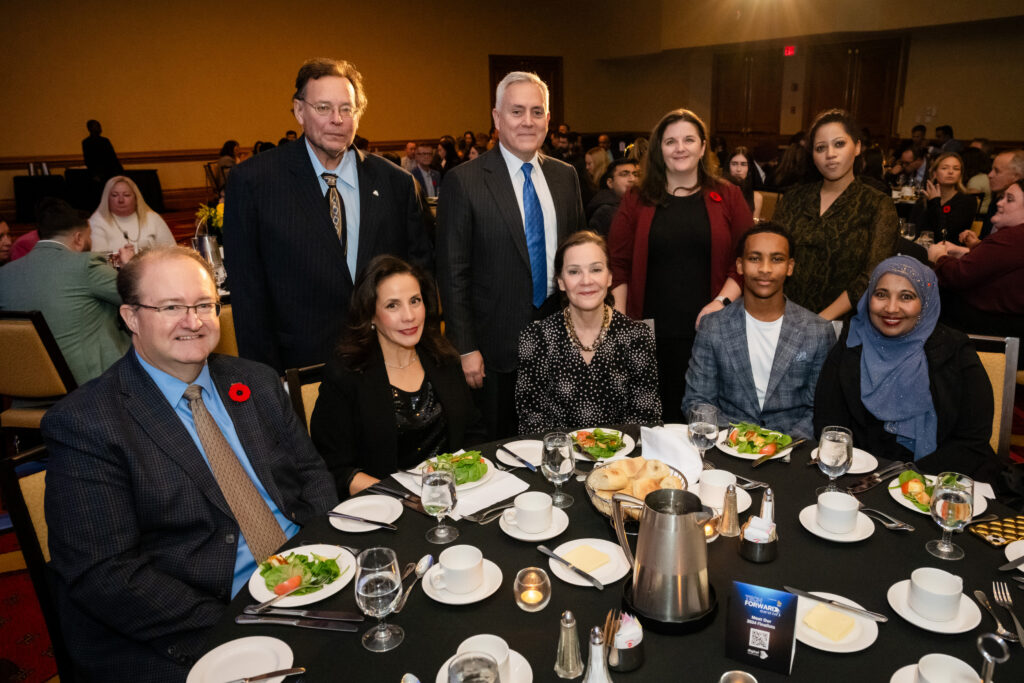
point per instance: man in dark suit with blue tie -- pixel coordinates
(301, 221)
(500, 220)
(171, 476)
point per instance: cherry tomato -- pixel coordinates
(288, 585)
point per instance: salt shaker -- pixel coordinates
(990, 661)
(568, 662)
(768, 506)
(597, 667)
(730, 524)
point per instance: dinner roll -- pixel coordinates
(608, 478)
(641, 487)
(630, 466)
(654, 469)
(671, 482)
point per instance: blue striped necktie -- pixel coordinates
(535, 243)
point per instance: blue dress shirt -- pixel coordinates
(173, 390)
(348, 188)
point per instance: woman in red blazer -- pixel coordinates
(673, 245)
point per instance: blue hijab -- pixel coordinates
(894, 382)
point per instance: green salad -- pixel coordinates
(600, 443)
(467, 467)
(916, 489)
(749, 438)
(293, 570)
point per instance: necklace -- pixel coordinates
(574, 338)
(685, 189)
(415, 359)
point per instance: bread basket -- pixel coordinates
(603, 505)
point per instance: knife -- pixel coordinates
(779, 454)
(323, 625)
(874, 616)
(353, 518)
(407, 499)
(547, 551)
(875, 478)
(271, 674)
(328, 615)
(1012, 565)
(526, 463)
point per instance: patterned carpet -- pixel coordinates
(25, 653)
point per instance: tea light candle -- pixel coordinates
(532, 589)
(711, 528)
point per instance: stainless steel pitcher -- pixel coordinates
(670, 570)
(208, 248)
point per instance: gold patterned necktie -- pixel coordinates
(257, 523)
(337, 206)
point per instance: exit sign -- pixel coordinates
(789, 51)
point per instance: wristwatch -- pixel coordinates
(724, 299)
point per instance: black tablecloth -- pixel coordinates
(861, 571)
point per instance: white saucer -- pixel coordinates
(559, 523)
(258, 585)
(864, 527)
(240, 658)
(628, 444)
(377, 508)
(521, 670)
(491, 583)
(864, 633)
(1014, 551)
(863, 462)
(530, 450)
(610, 572)
(743, 500)
(968, 618)
(980, 502)
(904, 674)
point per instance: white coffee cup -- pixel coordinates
(495, 647)
(531, 512)
(935, 594)
(938, 668)
(713, 484)
(837, 512)
(460, 569)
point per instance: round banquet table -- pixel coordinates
(861, 571)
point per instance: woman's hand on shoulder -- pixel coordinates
(712, 307)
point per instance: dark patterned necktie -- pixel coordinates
(337, 209)
(256, 521)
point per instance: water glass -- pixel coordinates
(557, 465)
(378, 587)
(907, 230)
(702, 426)
(835, 455)
(952, 507)
(926, 239)
(438, 498)
(473, 667)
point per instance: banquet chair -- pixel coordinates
(304, 388)
(213, 180)
(23, 485)
(768, 202)
(999, 357)
(228, 344)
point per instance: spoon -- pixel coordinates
(424, 564)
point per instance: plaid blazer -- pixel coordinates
(720, 372)
(141, 538)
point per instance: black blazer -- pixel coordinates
(141, 538)
(961, 393)
(290, 285)
(353, 423)
(483, 265)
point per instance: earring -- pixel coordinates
(372, 326)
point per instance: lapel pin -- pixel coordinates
(376, 194)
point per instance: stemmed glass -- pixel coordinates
(378, 587)
(702, 427)
(952, 507)
(438, 499)
(473, 667)
(557, 465)
(835, 455)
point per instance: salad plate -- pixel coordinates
(863, 462)
(864, 633)
(610, 572)
(727, 448)
(559, 523)
(346, 564)
(904, 674)
(377, 508)
(628, 444)
(421, 468)
(240, 658)
(980, 502)
(521, 670)
(864, 527)
(530, 450)
(1015, 551)
(491, 583)
(966, 619)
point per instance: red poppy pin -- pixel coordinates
(946, 209)
(239, 392)
(715, 196)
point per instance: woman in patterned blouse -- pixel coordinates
(587, 365)
(841, 228)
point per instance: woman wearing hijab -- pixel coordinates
(907, 387)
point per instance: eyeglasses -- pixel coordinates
(178, 311)
(345, 111)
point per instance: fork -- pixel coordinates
(749, 484)
(490, 514)
(317, 581)
(1001, 592)
(885, 519)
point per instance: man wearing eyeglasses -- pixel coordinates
(300, 222)
(170, 478)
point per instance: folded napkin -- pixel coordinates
(984, 490)
(672, 446)
(501, 486)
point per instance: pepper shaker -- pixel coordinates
(568, 662)
(729, 527)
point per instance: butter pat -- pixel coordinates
(830, 623)
(586, 558)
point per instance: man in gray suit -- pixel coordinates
(75, 290)
(428, 178)
(500, 220)
(758, 359)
